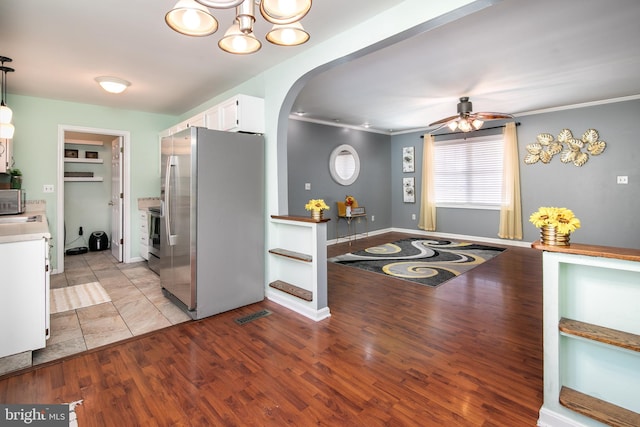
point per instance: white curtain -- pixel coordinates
(510, 209)
(427, 200)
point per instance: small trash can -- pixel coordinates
(98, 241)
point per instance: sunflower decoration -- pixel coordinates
(562, 219)
(570, 148)
(316, 205)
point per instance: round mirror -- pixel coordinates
(344, 165)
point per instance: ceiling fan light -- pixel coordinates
(477, 123)
(192, 19)
(284, 11)
(288, 34)
(453, 125)
(464, 125)
(5, 114)
(6, 130)
(236, 42)
(113, 84)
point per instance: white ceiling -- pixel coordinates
(516, 56)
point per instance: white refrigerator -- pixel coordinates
(212, 220)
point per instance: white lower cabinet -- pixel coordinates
(24, 296)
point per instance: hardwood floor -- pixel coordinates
(393, 353)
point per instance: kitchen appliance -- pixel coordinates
(212, 229)
(11, 202)
(155, 219)
(98, 241)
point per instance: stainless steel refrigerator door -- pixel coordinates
(178, 221)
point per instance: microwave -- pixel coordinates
(11, 202)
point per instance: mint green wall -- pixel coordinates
(35, 146)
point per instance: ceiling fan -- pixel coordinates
(466, 120)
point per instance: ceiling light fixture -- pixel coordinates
(192, 18)
(113, 84)
(467, 120)
(6, 128)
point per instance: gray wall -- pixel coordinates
(608, 211)
(309, 146)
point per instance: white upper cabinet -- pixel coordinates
(242, 113)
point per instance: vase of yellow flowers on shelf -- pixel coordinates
(317, 207)
(555, 224)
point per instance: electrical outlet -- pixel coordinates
(47, 188)
(623, 180)
(373, 218)
(413, 216)
(307, 186)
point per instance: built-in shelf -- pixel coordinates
(294, 290)
(597, 409)
(291, 254)
(83, 179)
(84, 160)
(600, 334)
(82, 142)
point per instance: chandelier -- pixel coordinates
(6, 128)
(192, 18)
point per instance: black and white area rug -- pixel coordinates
(428, 262)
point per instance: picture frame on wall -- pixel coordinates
(408, 159)
(409, 190)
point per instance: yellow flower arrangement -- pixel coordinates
(316, 205)
(562, 219)
(348, 201)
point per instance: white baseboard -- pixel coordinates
(299, 308)
(550, 418)
(441, 235)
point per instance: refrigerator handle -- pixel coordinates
(166, 208)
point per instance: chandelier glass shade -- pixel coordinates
(6, 114)
(192, 18)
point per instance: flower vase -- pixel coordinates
(348, 209)
(549, 235)
(316, 215)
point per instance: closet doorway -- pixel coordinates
(93, 188)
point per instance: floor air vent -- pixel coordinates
(252, 317)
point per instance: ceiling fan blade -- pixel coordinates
(492, 116)
(448, 119)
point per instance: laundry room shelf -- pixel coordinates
(74, 160)
(84, 179)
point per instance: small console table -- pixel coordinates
(351, 221)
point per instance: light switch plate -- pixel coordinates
(47, 188)
(307, 186)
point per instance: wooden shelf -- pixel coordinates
(597, 409)
(600, 334)
(82, 142)
(84, 160)
(291, 254)
(83, 179)
(294, 290)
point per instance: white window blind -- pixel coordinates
(468, 172)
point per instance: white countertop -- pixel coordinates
(22, 231)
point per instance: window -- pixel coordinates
(468, 172)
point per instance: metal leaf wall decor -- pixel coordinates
(569, 148)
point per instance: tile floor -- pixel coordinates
(137, 306)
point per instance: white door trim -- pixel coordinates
(126, 232)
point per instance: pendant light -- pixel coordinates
(284, 11)
(6, 128)
(191, 17)
(288, 34)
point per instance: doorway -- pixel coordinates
(93, 190)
